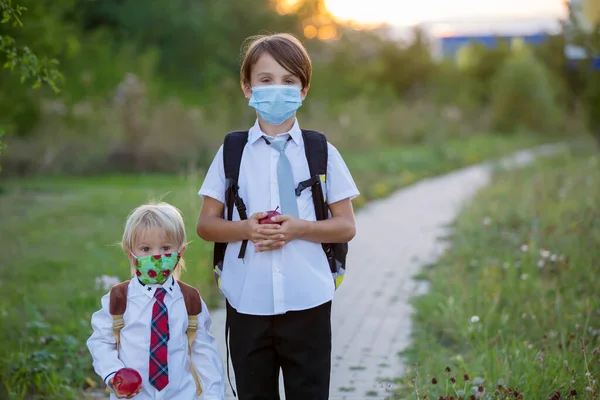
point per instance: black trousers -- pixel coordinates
(298, 341)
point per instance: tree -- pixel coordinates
(584, 34)
(40, 70)
(31, 67)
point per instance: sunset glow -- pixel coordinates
(403, 12)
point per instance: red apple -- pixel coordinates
(127, 381)
(270, 214)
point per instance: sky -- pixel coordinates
(405, 12)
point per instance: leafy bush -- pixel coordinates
(524, 96)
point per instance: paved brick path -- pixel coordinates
(371, 312)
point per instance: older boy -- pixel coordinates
(279, 289)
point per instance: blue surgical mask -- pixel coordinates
(275, 103)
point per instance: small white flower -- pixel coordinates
(587, 374)
(487, 221)
(530, 346)
(524, 315)
(553, 257)
(524, 248)
(506, 265)
(544, 253)
(541, 264)
(106, 282)
(524, 277)
(474, 319)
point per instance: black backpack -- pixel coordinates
(315, 146)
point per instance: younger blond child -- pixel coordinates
(155, 310)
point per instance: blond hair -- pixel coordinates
(285, 48)
(150, 216)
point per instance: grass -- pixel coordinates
(59, 235)
(514, 300)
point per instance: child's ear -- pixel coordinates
(130, 257)
(182, 251)
(304, 92)
(247, 89)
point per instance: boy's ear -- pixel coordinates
(247, 90)
(182, 251)
(304, 92)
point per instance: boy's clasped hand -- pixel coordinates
(273, 236)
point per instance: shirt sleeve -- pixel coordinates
(102, 345)
(214, 184)
(207, 360)
(340, 184)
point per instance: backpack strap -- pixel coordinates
(315, 148)
(116, 306)
(193, 305)
(233, 148)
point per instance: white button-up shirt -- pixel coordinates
(135, 343)
(296, 277)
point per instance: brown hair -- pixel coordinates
(285, 48)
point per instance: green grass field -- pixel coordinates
(59, 234)
(515, 300)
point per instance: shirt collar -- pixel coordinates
(256, 133)
(171, 286)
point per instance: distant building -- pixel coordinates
(450, 36)
(448, 47)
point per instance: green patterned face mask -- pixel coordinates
(156, 268)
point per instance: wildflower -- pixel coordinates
(466, 377)
(434, 381)
(474, 320)
(472, 397)
(506, 265)
(106, 282)
(553, 257)
(448, 369)
(541, 264)
(573, 392)
(441, 397)
(524, 277)
(480, 388)
(544, 253)
(452, 379)
(487, 221)
(524, 248)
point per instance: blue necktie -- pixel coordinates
(285, 178)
